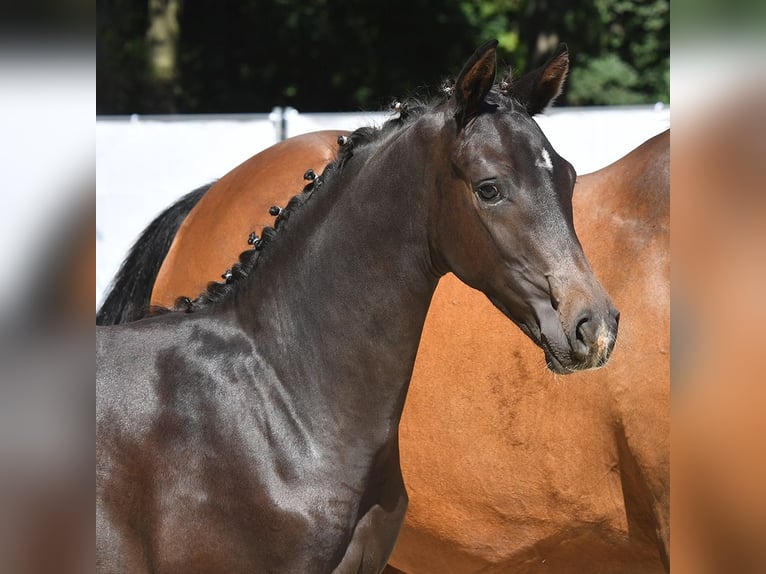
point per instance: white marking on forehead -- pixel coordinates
(545, 161)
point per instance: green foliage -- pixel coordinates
(121, 54)
(332, 55)
(605, 80)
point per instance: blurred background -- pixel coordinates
(174, 57)
(171, 56)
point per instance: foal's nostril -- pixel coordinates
(583, 336)
(580, 329)
(592, 337)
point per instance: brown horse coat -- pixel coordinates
(508, 467)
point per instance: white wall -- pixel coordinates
(144, 164)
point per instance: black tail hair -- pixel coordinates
(130, 292)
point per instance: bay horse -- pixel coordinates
(258, 430)
(620, 209)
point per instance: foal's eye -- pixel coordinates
(488, 191)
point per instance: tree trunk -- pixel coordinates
(162, 41)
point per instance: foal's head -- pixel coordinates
(502, 217)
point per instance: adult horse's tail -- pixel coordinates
(130, 292)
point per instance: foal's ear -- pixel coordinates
(538, 89)
(474, 82)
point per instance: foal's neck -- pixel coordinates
(340, 299)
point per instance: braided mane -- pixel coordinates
(408, 111)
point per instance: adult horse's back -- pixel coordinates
(260, 430)
(272, 172)
(157, 269)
